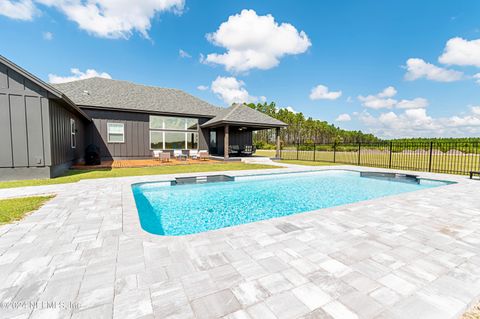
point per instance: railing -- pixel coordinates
(439, 157)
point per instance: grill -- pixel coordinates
(92, 155)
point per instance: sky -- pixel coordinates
(399, 68)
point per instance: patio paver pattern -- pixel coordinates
(414, 255)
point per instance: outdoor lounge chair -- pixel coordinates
(233, 150)
(203, 155)
(156, 154)
(248, 150)
(474, 173)
(165, 156)
(194, 154)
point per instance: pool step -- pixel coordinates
(202, 179)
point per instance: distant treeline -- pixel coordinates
(304, 130)
(466, 140)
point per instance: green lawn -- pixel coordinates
(73, 176)
(442, 163)
(308, 163)
(269, 153)
(16, 208)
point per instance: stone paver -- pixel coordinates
(413, 255)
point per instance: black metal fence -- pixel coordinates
(439, 157)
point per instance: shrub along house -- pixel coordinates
(45, 128)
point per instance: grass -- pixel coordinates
(269, 153)
(440, 163)
(308, 163)
(16, 208)
(73, 176)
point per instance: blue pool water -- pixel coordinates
(188, 209)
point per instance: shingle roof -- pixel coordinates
(107, 93)
(239, 114)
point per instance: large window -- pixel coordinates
(176, 133)
(115, 133)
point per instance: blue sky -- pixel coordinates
(393, 68)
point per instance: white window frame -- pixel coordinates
(73, 133)
(163, 140)
(108, 132)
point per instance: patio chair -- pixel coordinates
(165, 156)
(157, 154)
(474, 173)
(203, 155)
(194, 154)
(248, 150)
(186, 152)
(233, 150)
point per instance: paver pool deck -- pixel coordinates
(413, 255)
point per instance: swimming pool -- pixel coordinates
(188, 209)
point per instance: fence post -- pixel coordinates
(430, 159)
(314, 152)
(334, 151)
(359, 148)
(390, 159)
(298, 146)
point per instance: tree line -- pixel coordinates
(303, 129)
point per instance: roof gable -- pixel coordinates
(47, 87)
(240, 114)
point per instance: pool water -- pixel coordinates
(194, 208)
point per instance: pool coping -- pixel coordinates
(132, 227)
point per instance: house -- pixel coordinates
(45, 128)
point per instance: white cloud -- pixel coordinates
(380, 100)
(255, 42)
(477, 78)
(18, 10)
(290, 109)
(77, 75)
(47, 36)
(321, 92)
(202, 87)
(416, 103)
(102, 18)
(343, 118)
(417, 123)
(459, 51)
(184, 54)
(231, 90)
(418, 68)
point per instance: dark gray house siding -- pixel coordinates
(34, 129)
(24, 127)
(137, 133)
(62, 153)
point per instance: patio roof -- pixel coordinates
(240, 114)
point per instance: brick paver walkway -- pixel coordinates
(414, 255)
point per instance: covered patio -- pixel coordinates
(231, 133)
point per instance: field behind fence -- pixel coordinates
(439, 157)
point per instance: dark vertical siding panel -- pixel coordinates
(46, 132)
(15, 81)
(135, 137)
(62, 151)
(5, 136)
(19, 131)
(34, 131)
(3, 77)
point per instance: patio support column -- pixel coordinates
(277, 137)
(226, 141)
